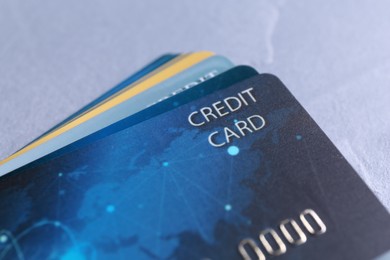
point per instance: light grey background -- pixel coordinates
(56, 56)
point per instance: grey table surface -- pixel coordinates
(56, 56)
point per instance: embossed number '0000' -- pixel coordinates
(279, 247)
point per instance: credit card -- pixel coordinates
(133, 78)
(220, 171)
(146, 72)
(163, 73)
(198, 73)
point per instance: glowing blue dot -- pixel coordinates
(165, 164)
(235, 120)
(140, 206)
(3, 239)
(60, 174)
(228, 207)
(110, 208)
(73, 254)
(61, 192)
(298, 137)
(57, 223)
(175, 103)
(233, 150)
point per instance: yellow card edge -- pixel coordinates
(170, 63)
(137, 87)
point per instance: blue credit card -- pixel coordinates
(133, 78)
(233, 168)
(188, 78)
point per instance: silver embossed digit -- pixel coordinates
(301, 236)
(281, 246)
(252, 244)
(317, 219)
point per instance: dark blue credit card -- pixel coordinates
(230, 169)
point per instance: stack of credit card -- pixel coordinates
(189, 158)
